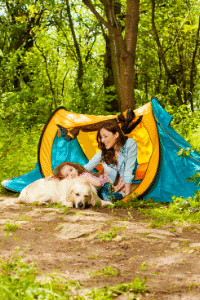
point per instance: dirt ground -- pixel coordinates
(74, 244)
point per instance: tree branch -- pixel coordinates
(99, 17)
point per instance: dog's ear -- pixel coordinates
(94, 197)
(70, 197)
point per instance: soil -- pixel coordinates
(70, 243)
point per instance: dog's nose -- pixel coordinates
(80, 205)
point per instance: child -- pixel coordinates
(72, 170)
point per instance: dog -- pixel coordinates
(74, 192)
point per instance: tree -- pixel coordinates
(183, 71)
(123, 39)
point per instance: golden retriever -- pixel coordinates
(74, 192)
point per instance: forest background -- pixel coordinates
(78, 54)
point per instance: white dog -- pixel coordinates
(70, 192)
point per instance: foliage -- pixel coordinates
(177, 25)
(18, 151)
(187, 124)
(195, 178)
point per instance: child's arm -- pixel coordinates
(96, 181)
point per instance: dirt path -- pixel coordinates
(80, 242)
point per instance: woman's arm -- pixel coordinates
(96, 181)
(127, 189)
(93, 162)
(131, 160)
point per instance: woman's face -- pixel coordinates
(108, 138)
(69, 171)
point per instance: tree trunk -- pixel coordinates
(109, 79)
(192, 72)
(122, 48)
(162, 56)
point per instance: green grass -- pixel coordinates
(179, 211)
(110, 235)
(136, 286)
(107, 272)
(10, 226)
(18, 281)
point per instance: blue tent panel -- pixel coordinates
(174, 170)
(61, 151)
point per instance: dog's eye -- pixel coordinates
(86, 196)
(77, 194)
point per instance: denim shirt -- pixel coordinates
(127, 162)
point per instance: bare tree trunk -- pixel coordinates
(109, 78)
(127, 62)
(78, 52)
(192, 73)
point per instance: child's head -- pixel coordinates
(68, 170)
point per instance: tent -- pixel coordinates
(161, 175)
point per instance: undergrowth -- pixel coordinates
(18, 151)
(180, 210)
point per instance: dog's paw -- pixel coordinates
(18, 201)
(106, 203)
(67, 204)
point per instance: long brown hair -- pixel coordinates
(108, 155)
(58, 170)
(80, 169)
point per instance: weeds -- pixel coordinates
(18, 281)
(107, 272)
(143, 266)
(110, 293)
(38, 228)
(179, 211)
(110, 235)
(10, 227)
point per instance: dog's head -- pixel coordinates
(82, 194)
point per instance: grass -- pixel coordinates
(143, 266)
(107, 272)
(110, 293)
(18, 281)
(10, 226)
(110, 235)
(179, 211)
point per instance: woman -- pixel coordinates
(118, 154)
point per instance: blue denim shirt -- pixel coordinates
(127, 162)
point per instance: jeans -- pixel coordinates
(106, 193)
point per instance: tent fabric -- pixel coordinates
(61, 151)
(162, 174)
(174, 169)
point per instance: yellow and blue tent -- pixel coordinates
(161, 175)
